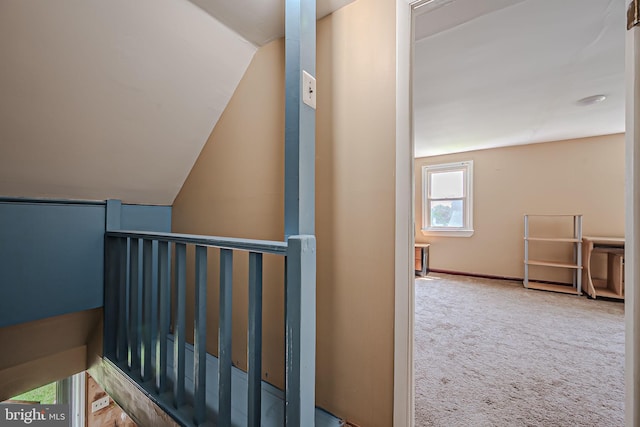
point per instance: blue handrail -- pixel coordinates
(137, 321)
(250, 245)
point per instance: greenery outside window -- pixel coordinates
(45, 395)
(447, 194)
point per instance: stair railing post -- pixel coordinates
(300, 323)
(299, 211)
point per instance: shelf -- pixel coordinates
(553, 239)
(602, 289)
(553, 264)
(565, 289)
(607, 293)
(575, 264)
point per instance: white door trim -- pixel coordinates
(632, 230)
(403, 372)
(403, 386)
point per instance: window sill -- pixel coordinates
(447, 233)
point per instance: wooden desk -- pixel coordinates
(422, 259)
(613, 285)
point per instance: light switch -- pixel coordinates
(308, 89)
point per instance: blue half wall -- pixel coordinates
(52, 255)
(146, 218)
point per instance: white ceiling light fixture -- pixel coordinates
(590, 100)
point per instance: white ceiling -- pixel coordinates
(110, 99)
(260, 21)
(491, 73)
(115, 99)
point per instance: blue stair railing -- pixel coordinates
(142, 335)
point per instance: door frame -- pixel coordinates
(403, 381)
(632, 228)
(403, 393)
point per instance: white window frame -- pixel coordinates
(467, 229)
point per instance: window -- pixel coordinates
(447, 199)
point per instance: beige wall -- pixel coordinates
(581, 176)
(355, 205)
(236, 189)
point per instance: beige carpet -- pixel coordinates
(491, 353)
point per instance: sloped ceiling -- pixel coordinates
(115, 99)
(260, 21)
(110, 99)
(491, 73)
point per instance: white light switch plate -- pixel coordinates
(99, 404)
(308, 89)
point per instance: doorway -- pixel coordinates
(541, 133)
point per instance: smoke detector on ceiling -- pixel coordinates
(590, 100)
